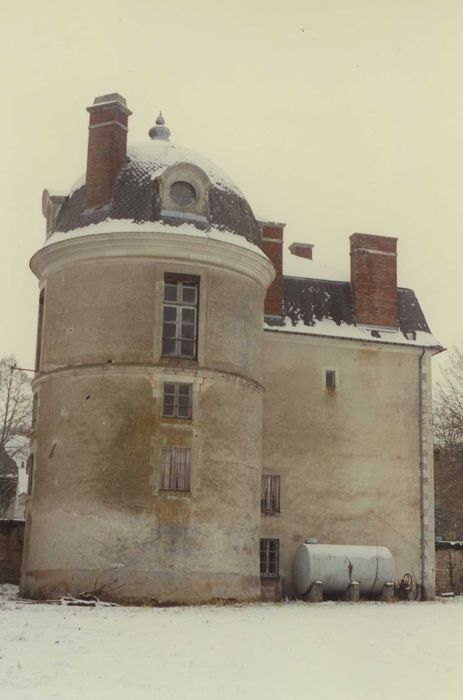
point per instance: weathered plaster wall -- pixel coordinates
(97, 312)
(349, 458)
(96, 511)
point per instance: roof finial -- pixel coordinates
(160, 131)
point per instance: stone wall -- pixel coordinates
(11, 549)
(449, 567)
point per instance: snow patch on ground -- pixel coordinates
(8, 592)
(327, 651)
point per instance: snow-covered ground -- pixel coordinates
(342, 651)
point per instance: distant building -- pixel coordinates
(199, 412)
(13, 486)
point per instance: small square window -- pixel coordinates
(175, 468)
(330, 379)
(177, 401)
(270, 500)
(269, 558)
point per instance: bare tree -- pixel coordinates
(448, 439)
(15, 409)
(448, 410)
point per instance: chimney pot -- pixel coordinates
(302, 250)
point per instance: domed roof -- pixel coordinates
(137, 192)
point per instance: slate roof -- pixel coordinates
(8, 485)
(8, 482)
(310, 301)
(136, 195)
(8, 466)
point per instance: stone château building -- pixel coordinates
(198, 413)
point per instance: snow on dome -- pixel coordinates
(159, 154)
(136, 193)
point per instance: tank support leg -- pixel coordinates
(315, 593)
(388, 592)
(352, 595)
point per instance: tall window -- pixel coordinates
(30, 473)
(34, 411)
(330, 379)
(270, 501)
(38, 350)
(175, 468)
(180, 317)
(269, 557)
(177, 400)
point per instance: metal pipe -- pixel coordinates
(421, 453)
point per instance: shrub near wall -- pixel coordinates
(11, 549)
(449, 567)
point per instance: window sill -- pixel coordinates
(176, 420)
(174, 361)
(271, 512)
(174, 493)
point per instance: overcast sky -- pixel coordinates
(333, 116)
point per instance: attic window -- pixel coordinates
(182, 193)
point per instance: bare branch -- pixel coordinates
(15, 409)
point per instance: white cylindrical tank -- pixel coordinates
(338, 565)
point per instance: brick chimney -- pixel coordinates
(373, 265)
(272, 245)
(302, 250)
(107, 147)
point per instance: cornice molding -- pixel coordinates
(159, 246)
(146, 370)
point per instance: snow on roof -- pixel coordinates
(295, 266)
(449, 543)
(53, 192)
(161, 154)
(330, 329)
(77, 184)
(128, 226)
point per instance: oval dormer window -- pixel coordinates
(182, 193)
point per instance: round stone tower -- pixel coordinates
(146, 452)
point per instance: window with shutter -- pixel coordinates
(270, 499)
